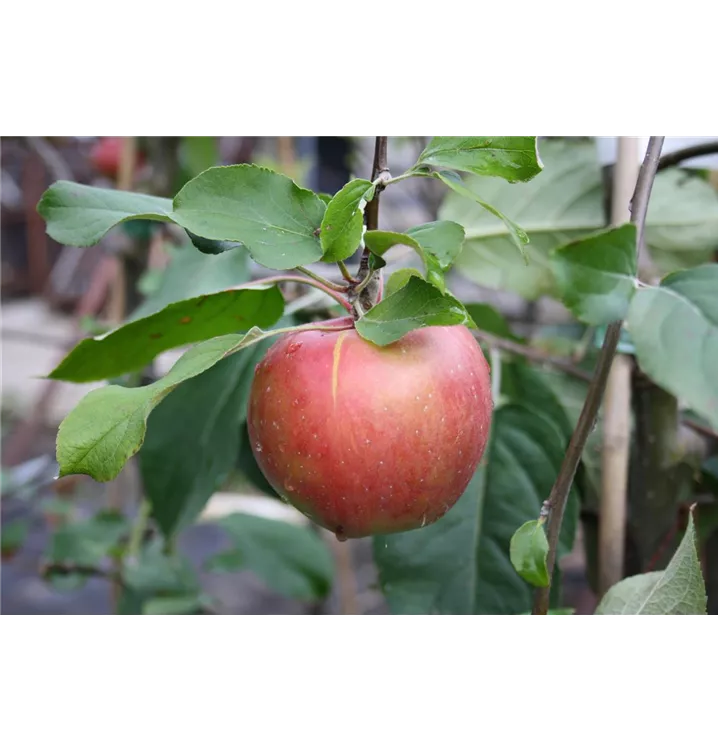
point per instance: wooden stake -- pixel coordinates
(617, 405)
(117, 303)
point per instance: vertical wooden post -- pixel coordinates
(617, 405)
(117, 303)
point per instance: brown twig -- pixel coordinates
(535, 355)
(699, 428)
(555, 505)
(380, 165)
(569, 367)
(675, 158)
(371, 213)
(367, 290)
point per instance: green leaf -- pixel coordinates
(89, 542)
(13, 535)
(596, 276)
(108, 426)
(682, 221)
(440, 239)
(454, 181)
(191, 604)
(342, 224)
(81, 215)
(193, 438)
(678, 590)
(489, 319)
(528, 550)
(380, 241)
(277, 221)
(376, 262)
(190, 274)
(461, 564)
(436, 243)
(399, 279)
(511, 157)
(526, 386)
(562, 204)
(292, 560)
(134, 345)
(674, 328)
(212, 247)
(155, 583)
(153, 572)
(566, 202)
(415, 305)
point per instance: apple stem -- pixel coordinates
(362, 285)
(337, 297)
(345, 272)
(555, 505)
(329, 284)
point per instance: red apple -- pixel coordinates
(106, 155)
(370, 440)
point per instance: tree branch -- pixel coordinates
(368, 290)
(535, 355)
(371, 212)
(555, 505)
(644, 185)
(700, 149)
(699, 428)
(380, 165)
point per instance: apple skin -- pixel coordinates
(371, 440)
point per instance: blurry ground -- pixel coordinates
(35, 338)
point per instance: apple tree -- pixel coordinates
(400, 413)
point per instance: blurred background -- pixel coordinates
(54, 295)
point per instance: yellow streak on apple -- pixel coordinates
(335, 367)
